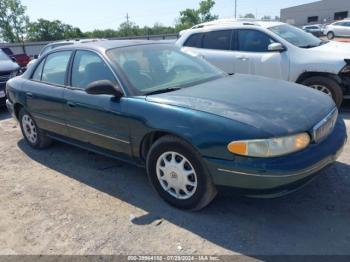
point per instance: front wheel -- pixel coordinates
(326, 85)
(34, 136)
(176, 172)
(330, 35)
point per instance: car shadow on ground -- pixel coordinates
(314, 220)
(4, 114)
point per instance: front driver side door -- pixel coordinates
(253, 56)
(96, 120)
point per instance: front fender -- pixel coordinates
(209, 134)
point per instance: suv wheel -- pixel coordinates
(35, 137)
(330, 35)
(176, 172)
(327, 86)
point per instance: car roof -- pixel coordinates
(103, 46)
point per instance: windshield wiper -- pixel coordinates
(312, 46)
(308, 46)
(161, 91)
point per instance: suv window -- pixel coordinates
(253, 41)
(55, 68)
(88, 67)
(194, 40)
(220, 40)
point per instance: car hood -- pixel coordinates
(273, 106)
(8, 66)
(337, 49)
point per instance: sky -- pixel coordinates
(102, 14)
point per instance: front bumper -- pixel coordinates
(2, 89)
(10, 108)
(278, 176)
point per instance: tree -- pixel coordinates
(204, 11)
(249, 15)
(266, 17)
(13, 21)
(191, 17)
(45, 30)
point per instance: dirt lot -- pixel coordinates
(68, 201)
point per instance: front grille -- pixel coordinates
(324, 128)
(4, 78)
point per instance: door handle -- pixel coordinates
(243, 58)
(29, 94)
(71, 104)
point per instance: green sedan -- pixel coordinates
(193, 127)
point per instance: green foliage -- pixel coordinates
(266, 17)
(191, 17)
(45, 30)
(15, 25)
(250, 15)
(13, 21)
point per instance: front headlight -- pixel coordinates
(270, 147)
(346, 69)
(13, 74)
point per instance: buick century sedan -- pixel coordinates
(193, 127)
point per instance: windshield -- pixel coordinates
(153, 68)
(296, 36)
(3, 56)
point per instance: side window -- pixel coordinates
(38, 71)
(219, 40)
(55, 68)
(194, 41)
(347, 24)
(88, 67)
(253, 41)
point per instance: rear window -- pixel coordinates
(194, 41)
(219, 40)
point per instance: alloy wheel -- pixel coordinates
(323, 89)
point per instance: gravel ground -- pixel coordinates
(64, 200)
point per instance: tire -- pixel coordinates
(330, 35)
(34, 136)
(186, 166)
(317, 82)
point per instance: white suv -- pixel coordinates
(274, 50)
(340, 28)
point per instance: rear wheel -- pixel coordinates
(35, 137)
(176, 172)
(326, 85)
(330, 35)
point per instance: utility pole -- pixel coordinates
(236, 9)
(127, 24)
(127, 18)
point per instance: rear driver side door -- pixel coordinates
(44, 92)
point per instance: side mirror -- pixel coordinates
(104, 87)
(14, 59)
(276, 47)
(36, 56)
